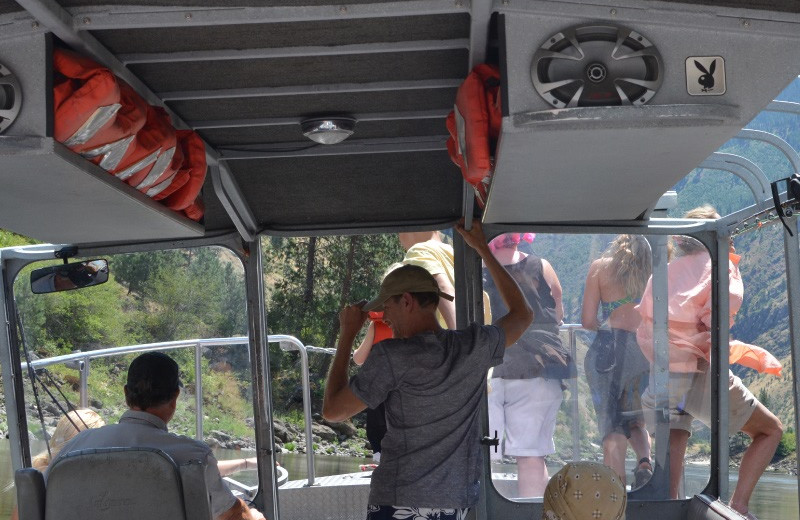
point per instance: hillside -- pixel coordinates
(764, 317)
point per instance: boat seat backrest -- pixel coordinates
(114, 484)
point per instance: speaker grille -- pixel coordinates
(10, 98)
(596, 65)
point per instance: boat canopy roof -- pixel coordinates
(244, 74)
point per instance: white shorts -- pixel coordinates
(523, 412)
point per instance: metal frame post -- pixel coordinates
(791, 245)
(573, 390)
(660, 367)
(12, 374)
(198, 392)
(84, 369)
(720, 337)
(267, 498)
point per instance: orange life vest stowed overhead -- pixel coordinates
(194, 166)
(151, 152)
(474, 126)
(102, 118)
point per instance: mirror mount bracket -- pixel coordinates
(66, 252)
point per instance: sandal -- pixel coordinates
(642, 474)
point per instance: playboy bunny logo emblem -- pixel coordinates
(707, 79)
(705, 75)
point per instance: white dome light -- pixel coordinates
(330, 130)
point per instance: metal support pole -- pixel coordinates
(198, 393)
(660, 368)
(267, 498)
(84, 368)
(791, 245)
(573, 390)
(307, 415)
(12, 375)
(720, 329)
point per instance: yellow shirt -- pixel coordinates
(437, 258)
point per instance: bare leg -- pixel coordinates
(640, 442)
(678, 439)
(766, 430)
(533, 477)
(614, 447)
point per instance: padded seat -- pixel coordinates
(114, 484)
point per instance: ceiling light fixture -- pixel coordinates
(328, 130)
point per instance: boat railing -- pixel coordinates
(81, 361)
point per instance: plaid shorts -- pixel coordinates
(414, 513)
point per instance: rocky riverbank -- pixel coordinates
(340, 439)
(786, 465)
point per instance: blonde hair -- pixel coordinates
(704, 211)
(70, 425)
(689, 245)
(630, 262)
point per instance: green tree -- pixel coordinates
(309, 280)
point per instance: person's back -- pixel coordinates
(618, 306)
(431, 381)
(151, 393)
(431, 390)
(616, 370)
(137, 430)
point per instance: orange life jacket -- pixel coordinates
(474, 127)
(151, 151)
(102, 118)
(382, 330)
(194, 168)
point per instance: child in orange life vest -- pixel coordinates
(377, 331)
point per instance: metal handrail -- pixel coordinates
(570, 328)
(292, 343)
(287, 342)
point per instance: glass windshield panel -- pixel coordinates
(190, 303)
(577, 387)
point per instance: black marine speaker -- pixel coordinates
(596, 65)
(10, 98)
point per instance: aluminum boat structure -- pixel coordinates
(605, 107)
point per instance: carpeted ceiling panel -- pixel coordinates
(299, 106)
(350, 189)
(220, 137)
(271, 35)
(9, 6)
(213, 75)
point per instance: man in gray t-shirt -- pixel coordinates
(431, 381)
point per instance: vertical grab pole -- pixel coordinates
(85, 382)
(573, 389)
(791, 251)
(307, 415)
(267, 498)
(198, 393)
(720, 329)
(659, 377)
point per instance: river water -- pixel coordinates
(775, 497)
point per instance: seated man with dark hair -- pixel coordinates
(151, 394)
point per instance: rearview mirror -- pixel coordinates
(66, 277)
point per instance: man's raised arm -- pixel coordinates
(519, 315)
